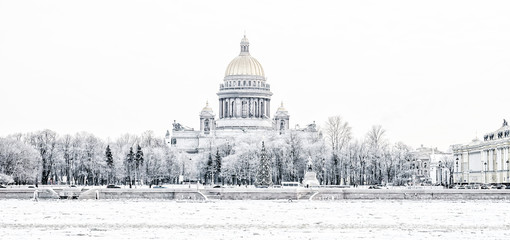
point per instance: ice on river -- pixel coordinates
(144, 219)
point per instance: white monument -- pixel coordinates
(310, 176)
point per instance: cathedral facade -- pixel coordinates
(244, 107)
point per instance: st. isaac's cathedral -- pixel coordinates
(244, 107)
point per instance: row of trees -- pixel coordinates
(83, 158)
(337, 157)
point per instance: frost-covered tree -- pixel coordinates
(129, 164)
(109, 163)
(264, 178)
(209, 170)
(217, 166)
(138, 162)
(377, 144)
(339, 134)
(45, 142)
(19, 162)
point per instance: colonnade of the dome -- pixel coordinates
(244, 107)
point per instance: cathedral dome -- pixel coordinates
(207, 108)
(244, 64)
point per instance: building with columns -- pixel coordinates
(486, 161)
(244, 107)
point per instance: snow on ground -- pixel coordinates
(157, 219)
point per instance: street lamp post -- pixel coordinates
(485, 175)
(507, 171)
(440, 173)
(189, 174)
(457, 164)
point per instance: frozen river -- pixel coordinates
(71, 219)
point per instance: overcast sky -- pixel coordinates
(430, 72)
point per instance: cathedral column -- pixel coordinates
(249, 108)
(225, 108)
(238, 108)
(259, 108)
(268, 107)
(262, 108)
(220, 112)
(231, 107)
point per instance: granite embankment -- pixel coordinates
(201, 194)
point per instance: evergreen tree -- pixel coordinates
(217, 164)
(209, 171)
(109, 162)
(138, 161)
(264, 178)
(129, 164)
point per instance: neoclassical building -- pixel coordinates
(244, 106)
(484, 161)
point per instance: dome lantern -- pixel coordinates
(245, 64)
(245, 46)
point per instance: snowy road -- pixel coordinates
(57, 219)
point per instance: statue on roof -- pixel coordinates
(505, 123)
(177, 126)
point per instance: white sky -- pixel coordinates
(430, 72)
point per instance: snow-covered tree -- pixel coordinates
(129, 163)
(46, 143)
(138, 162)
(109, 163)
(19, 162)
(217, 166)
(264, 178)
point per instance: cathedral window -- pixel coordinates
(206, 126)
(238, 83)
(244, 83)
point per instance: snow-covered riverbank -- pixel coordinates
(382, 219)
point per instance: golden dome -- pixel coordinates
(244, 64)
(281, 108)
(207, 108)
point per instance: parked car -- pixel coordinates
(499, 186)
(374, 187)
(112, 186)
(507, 187)
(217, 186)
(2, 186)
(485, 186)
(473, 186)
(158, 186)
